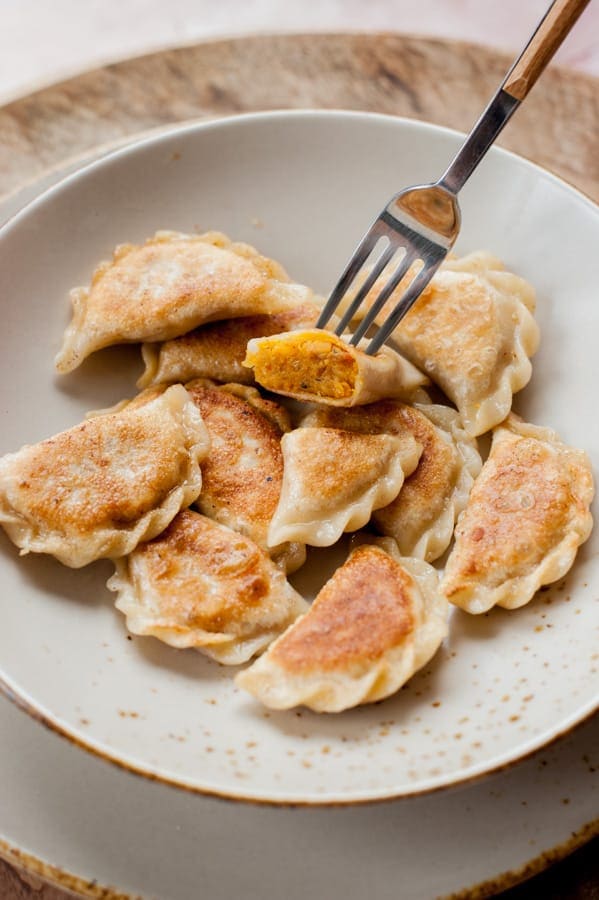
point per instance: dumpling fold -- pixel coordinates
(376, 621)
(202, 585)
(333, 479)
(170, 285)
(527, 515)
(101, 487)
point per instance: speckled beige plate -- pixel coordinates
(503, 684)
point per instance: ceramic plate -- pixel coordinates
(302, 187)
(67, 816)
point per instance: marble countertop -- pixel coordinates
(42, 41)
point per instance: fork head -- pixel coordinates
(413, 234)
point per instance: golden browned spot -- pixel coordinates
(319, 364)
(518, 510)
(332, 459)
(364, 610)
(244, 469)
(372, 418)
(432, 478)
(108, 471)
(206, 576)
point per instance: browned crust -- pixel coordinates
(434, 466)
(217, 349)
(251, 493)
(82, 457)
(521, 506)
(333, 458)
(361, 612)
(237, 563)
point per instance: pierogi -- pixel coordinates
(378, 620)
(168, 286)
(202, 585)
(100, 488)
(422, 516)
(333, 479)
(472, 330)
(526, 517)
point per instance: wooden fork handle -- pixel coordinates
(557, 23)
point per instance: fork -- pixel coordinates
(422, 222)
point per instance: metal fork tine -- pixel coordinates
(383, 260)
(409, 297)
(409, 257)
(363, 251)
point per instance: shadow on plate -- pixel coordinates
(86, 586)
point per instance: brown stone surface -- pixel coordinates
(439, 81)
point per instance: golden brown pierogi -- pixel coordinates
(375, 622)
(527, 515)
(101, 487)
(202, 585)
(170, 285)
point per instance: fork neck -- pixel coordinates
(490, 124)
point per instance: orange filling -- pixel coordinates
(318, 365)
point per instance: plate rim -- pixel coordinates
(39, 713)
(164, 133)
(63, 878)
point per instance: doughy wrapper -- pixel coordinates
(377, 621)
(528, 512)
(168, 286)
(318, 366)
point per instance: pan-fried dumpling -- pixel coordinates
(317, 365)
(100, 488)
(201, 585)
(169, 285)
(217, 350)
(276, 414)
(375, 622)
(472, 331)
(333, 479)
(243, 474)
(527, 515)
(422, 516)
